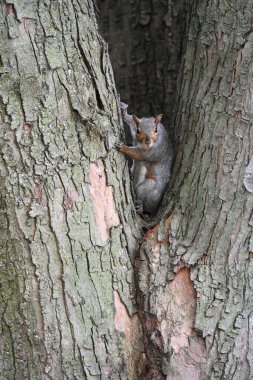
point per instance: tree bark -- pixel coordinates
(68, 234)
(196, 265)
(68, 230)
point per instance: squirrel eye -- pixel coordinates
(155, 129)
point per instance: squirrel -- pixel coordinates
(152, 158)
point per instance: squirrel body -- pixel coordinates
(152, 158)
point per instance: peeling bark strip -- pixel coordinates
(131, 327)
(168, 312)
(58, 269)
(102, 198)
(248, 176)
(211, 229)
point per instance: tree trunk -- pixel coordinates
(145, 39)
(68, 234)
(196, 265)
(68, 230)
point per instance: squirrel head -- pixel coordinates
(147, 129)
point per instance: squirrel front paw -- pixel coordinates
(118, 144)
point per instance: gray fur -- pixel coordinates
(150, 191)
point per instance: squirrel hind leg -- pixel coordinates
(150, 195)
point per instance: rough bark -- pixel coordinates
(195, 274)
(67, 230)
(145, 39)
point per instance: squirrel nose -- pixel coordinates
(147, 140)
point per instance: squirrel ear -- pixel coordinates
(158, 118)
(136, 120)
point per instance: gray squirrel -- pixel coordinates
(152, 158)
